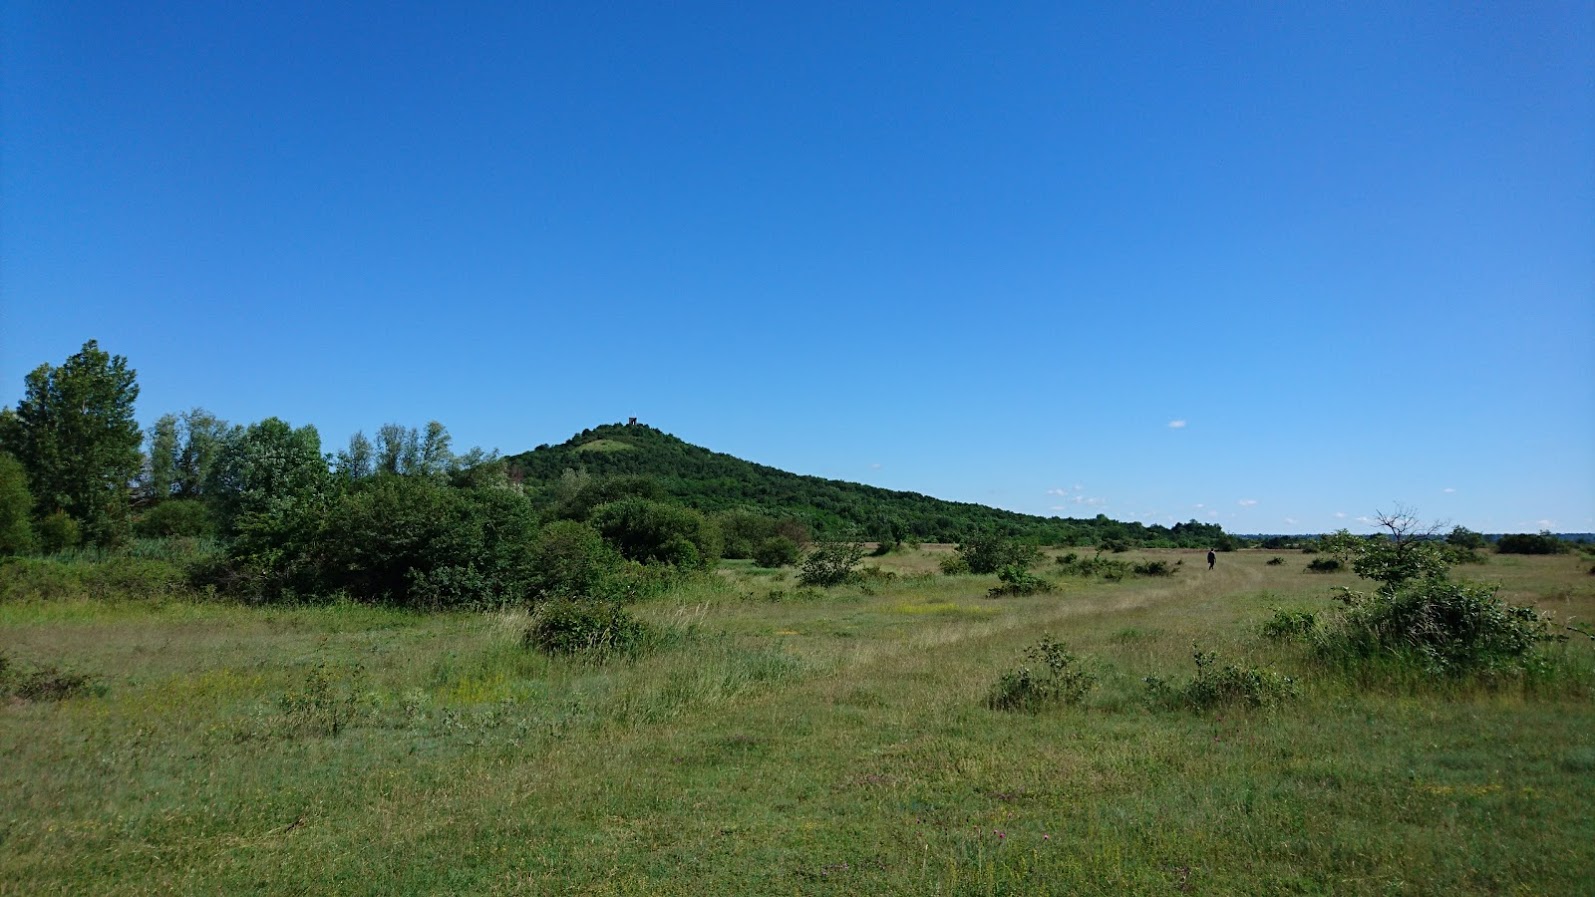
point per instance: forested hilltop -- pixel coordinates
(714, 482)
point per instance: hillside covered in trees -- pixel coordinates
(713, 482)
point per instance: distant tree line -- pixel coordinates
(713, 482)
(616, 512)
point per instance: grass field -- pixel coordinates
(783, 742)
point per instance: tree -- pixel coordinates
(394, 448)
(75, 433)
(163, 459)
(831, 564)
(1464, 538)
(988, 553)
(358, 460)
(268, 470)
(16, 508)
(434, 457)
(650, 532)
(203, 437)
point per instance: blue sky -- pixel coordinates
(1272, 265)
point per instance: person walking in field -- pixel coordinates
(1211, 558)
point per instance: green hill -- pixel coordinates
(715, 482)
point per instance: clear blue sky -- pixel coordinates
(1272, 265)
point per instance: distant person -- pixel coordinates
(1211, 559)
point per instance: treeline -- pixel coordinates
(714, 482)
(262, 512)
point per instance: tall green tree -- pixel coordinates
(203, 437)
(270, 471)
(75, 433)
(16, 507)
(357, 461)
(163, 459)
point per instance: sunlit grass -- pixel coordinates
(827, 743)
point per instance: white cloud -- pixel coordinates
(1291, 520)
(1176, 425)
(1340, 515)
(1059, 508)
(1247, 502)
(1365, 519)
(874, 467)
(1198, 506)
(1061, 493)
(1448, 490)
(1545, 524)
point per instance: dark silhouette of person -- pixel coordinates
(1211, 558)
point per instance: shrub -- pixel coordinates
(1466, 539)
(1443, 628)
(953, 565)
(1276, 562)
(570, 559)
(409, 541)
(1058, 679)
(776, 551)
(599, 628)
(44, 683)
(57, 532)
(326, 702)
(1222, 686)
(183, 517)
(114, 578)
(1290, 625)
(831, 564)
(1325, 565)
(1523, 543)
(16, 508)
(649, 532)
(1109, 569)
(1153, 568)
(1018, 581)
(988, 553)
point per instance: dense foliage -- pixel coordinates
(1531, 543)
(75, 434)
(714, 483)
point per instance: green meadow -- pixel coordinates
(779, 740)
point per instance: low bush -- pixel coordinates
(326, 701)
(1290, 625)
(1440, 627)
(44, 683)
(988, 553)
(1276, 562)
(1153, 568)
(1543, 542)
(831, 564)
(1222, 686)
(57, 531)
(953, 565)
(595, 628)
(1018, 581)
(116, 577)
(1325, 565)
(1109, 569)
(1052, 676)
(176, 517)
(776, 551)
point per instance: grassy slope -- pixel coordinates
(712, 481)
(831, 745)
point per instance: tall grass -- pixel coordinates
(838, 744)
